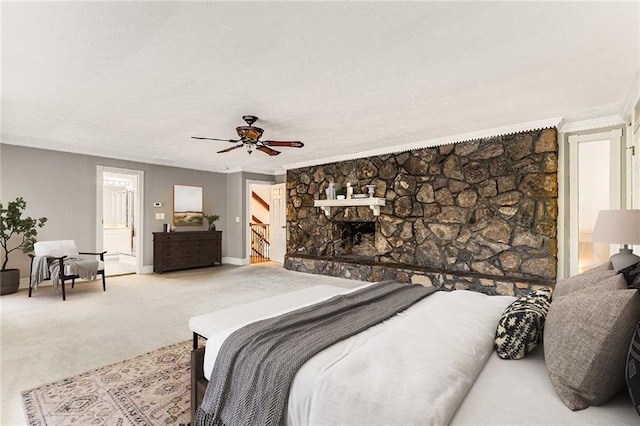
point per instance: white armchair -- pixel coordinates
(60, 261)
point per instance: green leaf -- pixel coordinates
(13, 224)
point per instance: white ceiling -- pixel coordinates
(134, 80)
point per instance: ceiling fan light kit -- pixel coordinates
(250, 137)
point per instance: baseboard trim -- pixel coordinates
(24, 283)
(235, 261)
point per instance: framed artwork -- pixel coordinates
(187, 205)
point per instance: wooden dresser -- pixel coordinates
(183, 250)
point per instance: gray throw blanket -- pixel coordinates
(255, 366)
(39, 270)
(83, 268)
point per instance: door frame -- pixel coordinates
(247, 214)
(139, 217)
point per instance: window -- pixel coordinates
(595, 183)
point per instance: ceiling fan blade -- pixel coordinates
(214, 139)
(231, 149)
(290, 144)
(267, 150)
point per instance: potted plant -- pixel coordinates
(341, 193)
(211, 218)
(12, 224)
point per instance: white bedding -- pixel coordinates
(414, 368)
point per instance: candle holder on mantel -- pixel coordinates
(371, 189)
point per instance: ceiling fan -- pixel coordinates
(250, 137)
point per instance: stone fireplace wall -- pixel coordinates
(480, 214)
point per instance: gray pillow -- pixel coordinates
(600, 268)
(612, 283)
(586, 340)
(582, 281)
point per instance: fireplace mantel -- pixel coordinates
(373, 203)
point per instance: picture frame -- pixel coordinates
(187, 205)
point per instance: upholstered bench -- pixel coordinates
(206, 325)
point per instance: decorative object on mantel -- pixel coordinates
(341, 193)
(250, 137)
(211, 219)
(371, 189)
(373, 203)
(619, 227)
(331, 191)
(12, 224)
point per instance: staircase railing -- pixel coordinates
(259, 242)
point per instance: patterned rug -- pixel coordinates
(150, 389)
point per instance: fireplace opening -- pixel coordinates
(356, 240)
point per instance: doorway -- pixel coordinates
(266, 210)
(119, 212)
(259, 223)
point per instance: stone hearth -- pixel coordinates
(479, 214)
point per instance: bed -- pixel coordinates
(431, 364)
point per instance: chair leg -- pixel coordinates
(104, 283)
(73, 282)
(30, 275)
(64, 295)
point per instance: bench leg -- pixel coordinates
(198, 382)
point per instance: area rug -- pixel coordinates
(150, 389)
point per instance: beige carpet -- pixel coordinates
(44, 340)
(151, 389)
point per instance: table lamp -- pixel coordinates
(619, 227)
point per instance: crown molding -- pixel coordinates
(593, 124)
(430, 143)
(270, 172)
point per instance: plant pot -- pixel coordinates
(212, 227)
(9, 281)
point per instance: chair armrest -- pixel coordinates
(101, 254)
(32, 256)
(59, 259)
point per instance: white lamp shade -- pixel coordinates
(617, 227)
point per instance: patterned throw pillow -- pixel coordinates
(520, 328)
(633, 369)
(631, 275)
